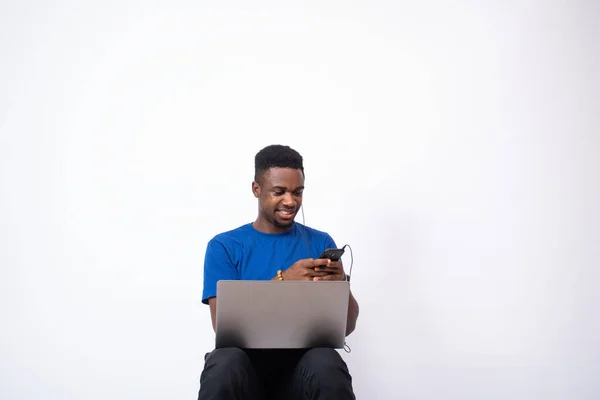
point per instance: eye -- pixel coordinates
(278, 193)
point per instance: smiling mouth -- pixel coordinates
(286, 213)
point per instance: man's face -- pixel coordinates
(279, 191)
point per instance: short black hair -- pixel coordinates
(276, 156)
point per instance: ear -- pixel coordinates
(256, 189)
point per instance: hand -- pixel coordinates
(307, 269)
(335, 272)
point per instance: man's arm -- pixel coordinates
(212, 303)
(352, 314)
(219, 264)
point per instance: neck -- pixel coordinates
(268, 227)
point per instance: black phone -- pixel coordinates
(332, 254)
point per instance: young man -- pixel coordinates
(257, 251)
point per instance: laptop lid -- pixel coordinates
(281, 314)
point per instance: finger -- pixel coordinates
(325, 278)
(331, 269)
(321, 262)
(330, 277)
(325, 268)
(316, 271)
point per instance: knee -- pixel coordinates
(322, 362)
(227, 374)
(227, 359)
(324, 372)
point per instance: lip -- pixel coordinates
(283, 214)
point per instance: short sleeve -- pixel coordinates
(218, 265)
(329, 242)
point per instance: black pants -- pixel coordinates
(231, 373)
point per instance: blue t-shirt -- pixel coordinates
(247, 254)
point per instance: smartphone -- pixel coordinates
(332, 254)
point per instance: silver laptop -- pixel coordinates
(281, 314)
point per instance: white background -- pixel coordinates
(455, 147)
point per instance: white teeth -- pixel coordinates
(285, 212)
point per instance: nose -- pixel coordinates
(288, 200)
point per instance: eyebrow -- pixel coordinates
(284, 188)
